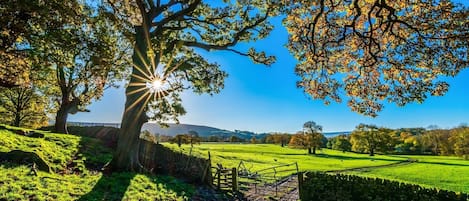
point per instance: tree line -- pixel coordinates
(369, 139)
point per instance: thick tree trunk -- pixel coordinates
(126, 155)
(372, 152)
(61, 120)
(309, 150)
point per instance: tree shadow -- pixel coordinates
(95, 153)
(112, 187)
(444, 163)
(342, 157)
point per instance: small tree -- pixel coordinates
(253, 140)
(370, 138)
(180, 139)
(460, 139)
(22, 106)
(233, 138)
(313, 136)
(298, 141)
(193, 138)
(341, 143)
(437, 141)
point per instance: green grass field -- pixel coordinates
(441, 172)
(72, 160)
(266, 155)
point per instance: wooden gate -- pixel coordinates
(279, 182)
(225, 178)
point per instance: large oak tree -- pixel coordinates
(169, 36)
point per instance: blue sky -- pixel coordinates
(265, 99)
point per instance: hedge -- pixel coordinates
(325, 187)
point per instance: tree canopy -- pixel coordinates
(86, 56)
(376, 50)
(20, 21)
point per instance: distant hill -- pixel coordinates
(333, 134)
(206, 131)
(203, 131)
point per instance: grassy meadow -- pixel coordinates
(446, 172)
(74, 161)
(450, 173)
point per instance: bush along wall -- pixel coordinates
(325, 187)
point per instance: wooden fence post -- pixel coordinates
(234, 180)
(218, 178)
(300, 184)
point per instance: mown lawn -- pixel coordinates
(259, 156)
(441, 172)
(75, 176)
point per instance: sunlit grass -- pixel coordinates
(18, 183)
(441, 172)
(261, 156)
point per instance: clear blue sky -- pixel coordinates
(265, 99)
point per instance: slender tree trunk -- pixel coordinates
(126, 154)
(18, 109)
(372, 152)
(314, 150)
(61, 119)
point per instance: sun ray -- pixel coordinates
(168, 73)
(137, 84)
(139, 112)
(141, 71)
(138, 100)
(136, 91)
(140, 56)
(145, 103)
(142, 78)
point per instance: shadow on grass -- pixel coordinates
(443, 163)
(112, 187)
(95, 152)
(342, 157)
(116, 185)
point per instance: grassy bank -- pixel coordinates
(75, 163)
